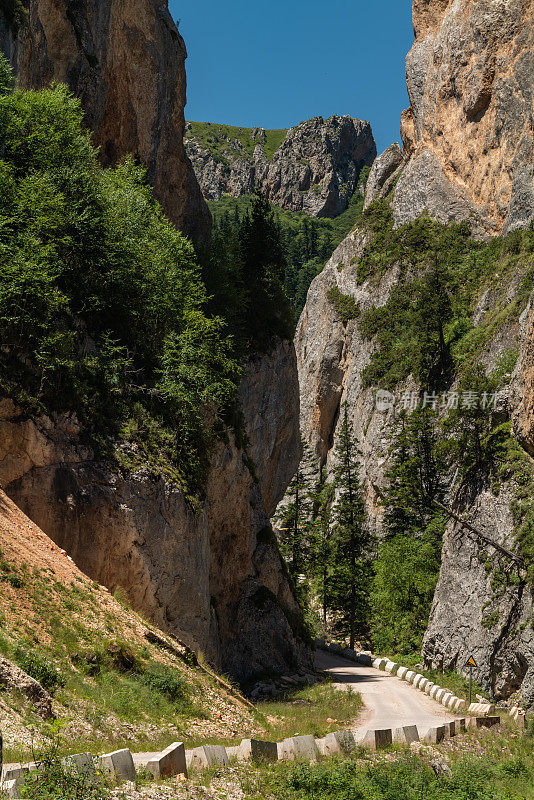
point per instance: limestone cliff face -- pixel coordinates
(467, 156)
(468, 133)
(213, 577)
(125, 60)
(315, 169)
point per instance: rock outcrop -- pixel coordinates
(213, 577)
(125, 60)
(314, 170)
(468, 133)
(483, 604)
(467, 155)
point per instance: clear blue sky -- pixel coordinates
(274, 64)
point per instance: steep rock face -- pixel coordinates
(212, 577)
(386, 167)
(125, 60)
(483, 605)
(523, 382)
(314, 170)
(468, 132)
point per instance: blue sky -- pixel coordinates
(275, 64)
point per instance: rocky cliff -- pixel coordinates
(125, 60)
(467, 157)
(213, 576)
(468, 132)
(313, 167)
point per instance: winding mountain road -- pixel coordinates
(388, 701)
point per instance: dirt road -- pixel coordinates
(389, 702)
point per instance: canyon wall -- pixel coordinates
(211, 576)
(315, 169)
(468, 133)
(125, 60)
(467, 156)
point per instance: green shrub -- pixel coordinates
(38, 667)
(55, 780)
(102, 305)
(165, 682)
(345, 304)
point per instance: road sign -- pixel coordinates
(470, 662)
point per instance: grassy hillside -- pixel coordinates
(111, 685)
(214, 137)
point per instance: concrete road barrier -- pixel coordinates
(169, 762)
(13, 787)
(410, 675)
(487, 722)
(335, 648)
(450, 728)
(365, 658)
(208, 755)
(423, 684)
(257, 750)
(440, 694)
(401, 672)
(429, 687)
(406, 735)
(483, 709)
(342, 742)
(119, 765)
(445, 699)
(435, 735)
(379, 663)
(391, 667)
(298, 748)
(350, 654)
(378, 739)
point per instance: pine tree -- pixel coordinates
(322, 551)
(352, 573)
(294, 520)
(407, 565)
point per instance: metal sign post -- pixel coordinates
(470, 663)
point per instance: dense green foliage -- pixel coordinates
(425, 329)
(345, 304)
(40, 668)
(57, 779)
(502, 776)
(103, 310)
(307, 242)
(244, 271)
(408, 559)
(218, 139)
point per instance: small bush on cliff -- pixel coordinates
(102, 305)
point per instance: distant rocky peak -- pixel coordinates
(313, 167)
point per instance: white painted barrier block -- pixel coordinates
(379, 663)
(410, 675)
(169, 762)
(446, 697)
(417, 680)
(119, 765)
(335, 648)
(450, 728)
(440, 694)
(423, 684)
(391, 667)
(401, 672)
(435, 689)
(378, 739)
(365, 658)
(429, 687)
(406, 735)
(257, 750)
